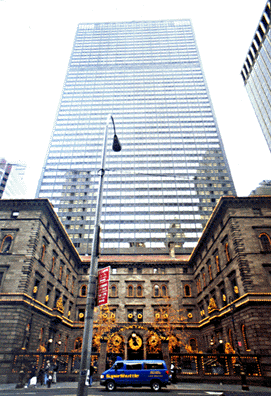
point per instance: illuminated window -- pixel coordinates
(227, 252)
(73, 283)
(199, 286)
(204, 279)
(235, 288)
(217, 263)
(78, 344)
(265, 242)
(53, 264)
(210, 272)
(193, 344)
(43, 251)
(60, 273)
(244, 334)
(81, 314)
(67, 278)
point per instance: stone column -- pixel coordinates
(144, 347)
(165, 352)
(102, 358)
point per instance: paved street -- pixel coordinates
(180, 389)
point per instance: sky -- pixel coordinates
(36, 42)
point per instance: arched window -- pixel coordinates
(227, 252)
(156, 292)
(41, 335)
(43, 251)
(113, 291)
(244, 334)
(6, 244)
(60, 273)
(53, 264)
(204, 279)
(130, 291)
(210, 272)
(217, 262)
(193, 344)
(265, 242)
(78, 344)
(164, 290)
(67, 279)
(66, 343)
(230, 337)
(81, 315)
(187, 291)
(83, 291)
(139, 291)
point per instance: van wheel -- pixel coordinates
(156, 386)
(110, 386)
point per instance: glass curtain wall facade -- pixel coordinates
(172, 168)
(256, 73)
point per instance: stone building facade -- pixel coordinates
(38, 280)
(232, 274)
(159, 304)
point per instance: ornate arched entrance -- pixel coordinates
(154, 347)
(135, 347)
(115, 347)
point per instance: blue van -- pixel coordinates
(137, 373)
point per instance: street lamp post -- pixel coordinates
(90, 302)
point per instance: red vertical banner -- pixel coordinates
(103, 285)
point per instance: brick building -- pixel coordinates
(159, 304)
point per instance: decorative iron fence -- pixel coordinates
(188, 365)
(216, 364)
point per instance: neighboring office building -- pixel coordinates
(11, 180)
(172, 167)
(43, 285)
(256, 73)
(263, 189)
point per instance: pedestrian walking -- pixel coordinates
(32, 377)
(55, 368)
(49, 372)
(91, 371)
(41, 376)
(173, 370)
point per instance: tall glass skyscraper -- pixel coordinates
(256, 73)
(172, 168)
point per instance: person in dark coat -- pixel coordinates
(41, 376)
(55, 372)
(49, 371)
(91, 371)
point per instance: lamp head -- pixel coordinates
(116, 144)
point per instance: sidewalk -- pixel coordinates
(218, 387)
(179, 386)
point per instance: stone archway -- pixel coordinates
(135, 347)
(154, 350)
